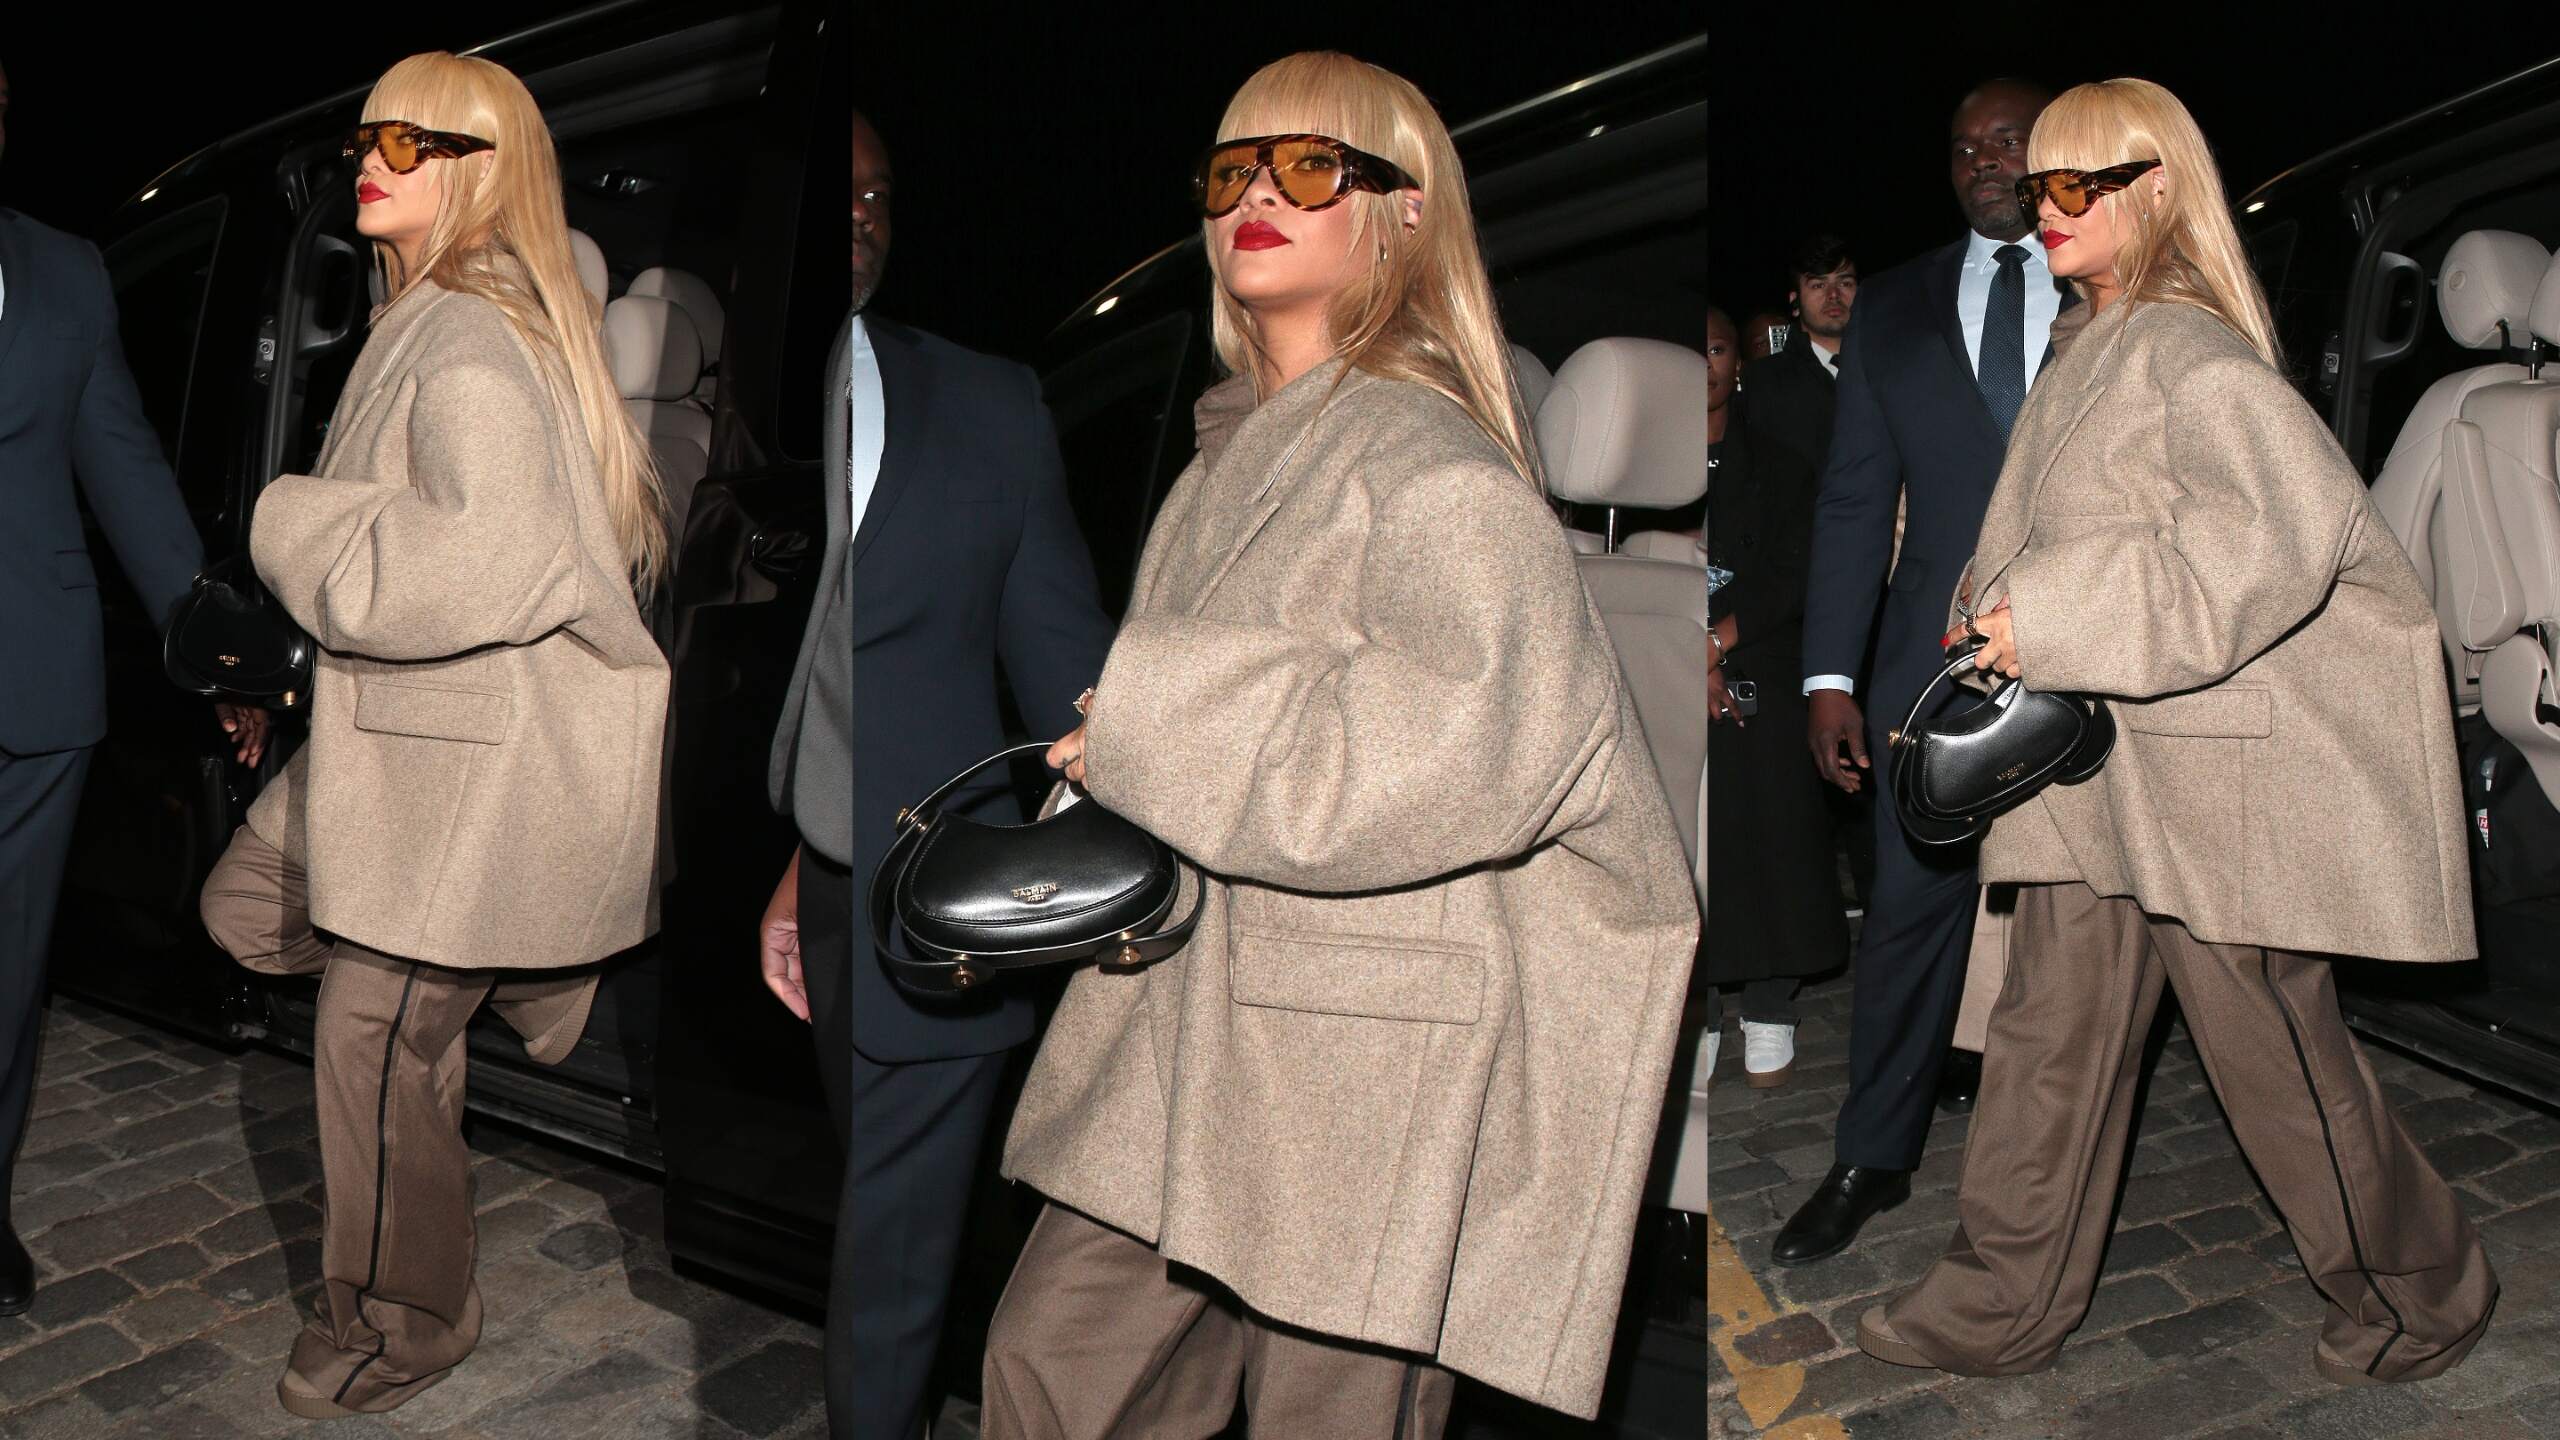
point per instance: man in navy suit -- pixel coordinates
(68, 409)
(1935, 366)
(951, 550)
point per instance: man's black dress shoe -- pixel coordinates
(1849, 1196)
(1959, 1080)
(17, 1273)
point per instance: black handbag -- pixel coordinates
(1954, 774)
(978, 901)
(230, 639)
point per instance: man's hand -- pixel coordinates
(779, 940)
(1837, 730)
(247, 727)
(1720, 706)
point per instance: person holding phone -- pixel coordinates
(1772, 882)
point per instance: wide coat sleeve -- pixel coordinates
(1454, 732)
(480, 547)
(2264, 511)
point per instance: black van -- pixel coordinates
(689, 133)
(2349, 245)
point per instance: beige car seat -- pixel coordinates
(657, 362)
(2431, 490)
(2519, 428)
(701, 304)
(1622, 427)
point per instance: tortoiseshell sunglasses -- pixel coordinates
(2074, 191)
(405, 147)
(1310, 172)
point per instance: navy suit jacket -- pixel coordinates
(68, 409)
(1909, 417)
(968, 556)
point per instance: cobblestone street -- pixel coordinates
(2203, 1325)
(169, 1193)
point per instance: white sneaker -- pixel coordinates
(1707, 1067)
(1768, 1053)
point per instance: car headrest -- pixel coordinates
(652, 347)
(1534, 377)
(687, 292)
(1626, 424)
(2545, 317)
(590, 258)
(2489, 276)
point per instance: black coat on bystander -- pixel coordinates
(1773, 882)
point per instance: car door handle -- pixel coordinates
(778, 554)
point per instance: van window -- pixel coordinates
(821, 275)
(159, 273)
(1111, 406)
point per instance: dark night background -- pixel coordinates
(1039, 150)
(1835, 120)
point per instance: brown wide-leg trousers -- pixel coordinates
(1098, 1339)
(399, 1308)
(2380, 1233)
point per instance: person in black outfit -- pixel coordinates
(1792, 396)
(1792, 393)
(68, 408)
(1936, 365)
(1771, 882)
(951, 550)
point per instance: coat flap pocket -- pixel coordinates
(474, 715)
(1377, 977)
(2245, 713)
(72, 569)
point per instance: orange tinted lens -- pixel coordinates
(1308, 171)
(399, 148)
(2070, 193)
(1224, 179)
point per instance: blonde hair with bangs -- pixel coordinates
(501, 233)
(2182, 246)
(1424, 312)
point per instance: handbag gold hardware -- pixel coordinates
(228, 659)
(1035, 894)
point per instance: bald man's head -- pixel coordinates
(871, 207)
(1987, 153)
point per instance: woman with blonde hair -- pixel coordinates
(1386, 1117)
(474, 816)
(2176, 532)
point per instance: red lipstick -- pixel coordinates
(2053, 238)
(1258, 235)
(368, 192)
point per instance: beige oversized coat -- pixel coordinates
(2175, 529)
(481, 783)
(1403, 1084)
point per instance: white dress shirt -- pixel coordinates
(870, 420)
(1973, 297)
(1829, 359)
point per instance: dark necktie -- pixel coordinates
(2003, 374)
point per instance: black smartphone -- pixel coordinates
(1746, 697)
